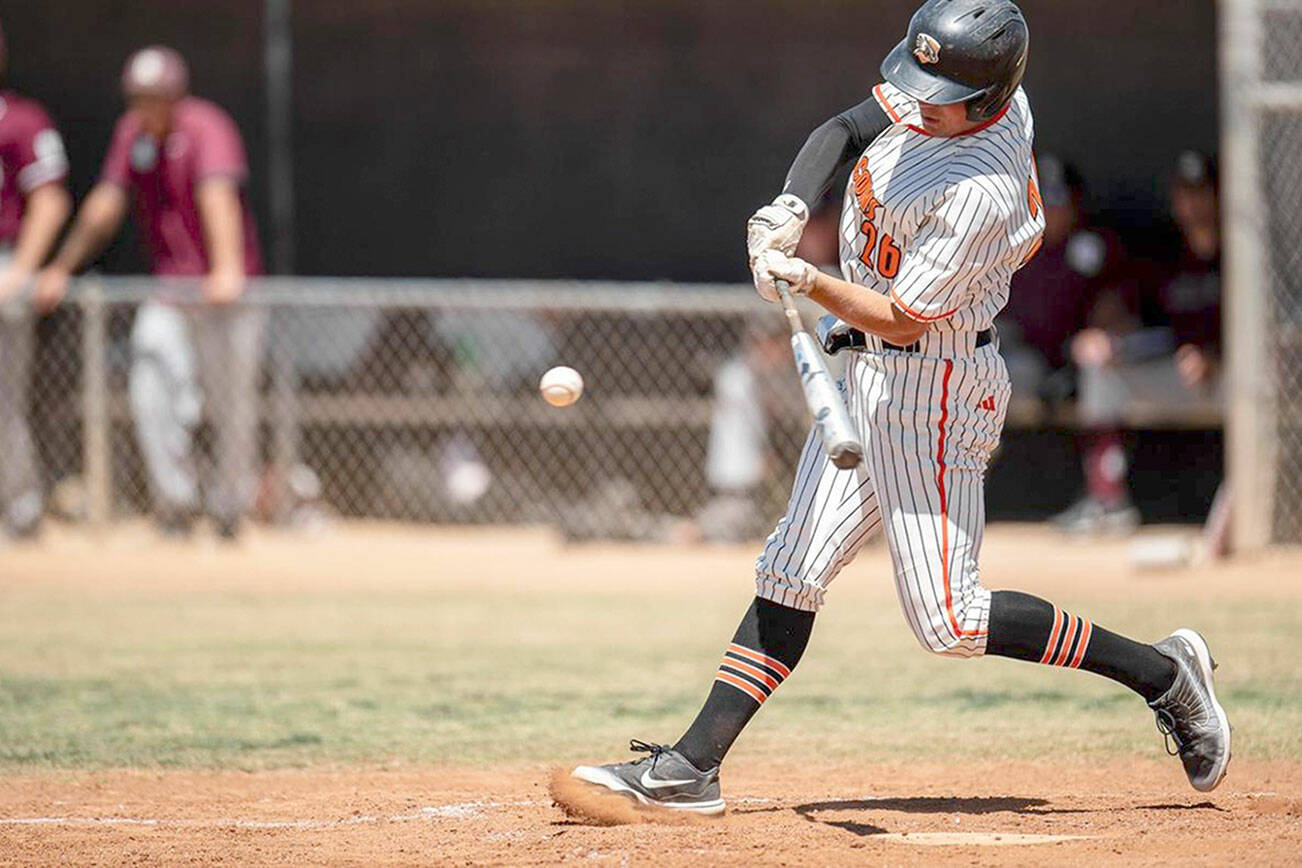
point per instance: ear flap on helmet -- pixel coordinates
(988, 103)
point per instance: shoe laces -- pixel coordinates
(1166, 724)
(654, 751)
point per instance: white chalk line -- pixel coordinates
(979, 839)
(456, 811)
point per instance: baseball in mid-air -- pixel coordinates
(561, 386)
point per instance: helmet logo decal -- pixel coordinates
(927, 49)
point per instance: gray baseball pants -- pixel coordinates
(20, 487)
(185, 361)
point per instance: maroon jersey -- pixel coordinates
(31, 155)
(1191, 302)
(204, 143)
(1052, 293)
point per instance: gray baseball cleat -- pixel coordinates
(664, 778)
(1189, 714)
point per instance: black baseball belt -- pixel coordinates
(854, 339)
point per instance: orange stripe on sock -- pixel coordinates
(1053, 635)
(741, 684)
(776, 665)
(758, 674)
(1073, 625)
(1086, 629)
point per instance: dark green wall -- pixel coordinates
(594, 138)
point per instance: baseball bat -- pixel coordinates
(840, 440)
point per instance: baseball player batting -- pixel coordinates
(33, 208)
(183, 159)
(941, 209)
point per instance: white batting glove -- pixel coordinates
(776, 227)
(772, 266)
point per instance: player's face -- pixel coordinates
(1193, 206)
(945, 120)
(155, 114)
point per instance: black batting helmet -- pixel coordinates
(962, 51)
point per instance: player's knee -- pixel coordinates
(954, 631)
(942, 642)
(961, 648)
(795, 582)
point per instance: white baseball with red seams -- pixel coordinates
(561, 386)
(940, 225)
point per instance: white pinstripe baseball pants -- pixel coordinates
(929, 426)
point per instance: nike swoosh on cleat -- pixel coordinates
(653, 784)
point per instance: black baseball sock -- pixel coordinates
(1028, 628)
(766, 647)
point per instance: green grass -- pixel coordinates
(94, 679)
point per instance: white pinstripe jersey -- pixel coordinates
(941, 224)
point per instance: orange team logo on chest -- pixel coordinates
(863, 190)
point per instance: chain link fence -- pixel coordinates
(40, 429)
(1281, 138)
(1262, 99)
(418, 401)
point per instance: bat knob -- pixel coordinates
(846, 455)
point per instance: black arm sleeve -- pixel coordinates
(831, 146)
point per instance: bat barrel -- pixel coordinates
(840, 438)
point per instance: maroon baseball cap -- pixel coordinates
(156, 71)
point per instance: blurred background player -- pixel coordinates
(1162, 348)
(1050, 295)
(184, 160)
(751, 396)
(33, 208)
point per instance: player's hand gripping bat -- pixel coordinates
(840, 440)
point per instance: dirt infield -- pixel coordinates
(1003, 814)
(358, 699)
